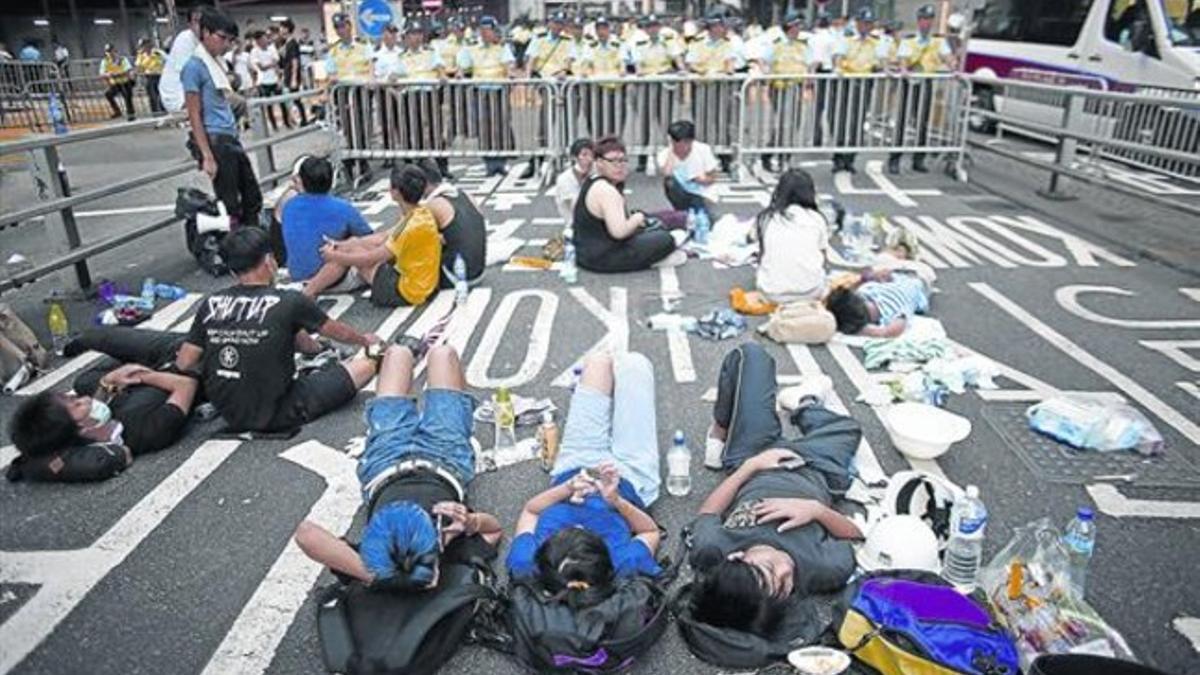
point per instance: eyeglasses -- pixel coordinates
(616, 160)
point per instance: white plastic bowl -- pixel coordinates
(818, 661)
(923, 431)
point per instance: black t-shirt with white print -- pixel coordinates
(248, 337)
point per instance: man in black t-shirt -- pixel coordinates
(289, 63)
(414, 470)
(115, 412)
(243, 342)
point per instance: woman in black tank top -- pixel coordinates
(596, 249)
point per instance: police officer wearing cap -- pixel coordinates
(713, 103)
(788, 54)
(604, 104)
(421, 120)
(859, 56)
(118, 75)
(920, 53)
(552, 55)
(350, 61)
(449, 44)
(653, 53)
(490, 59)
(389, 68)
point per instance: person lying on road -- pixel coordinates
(415, 472)
(881, 305)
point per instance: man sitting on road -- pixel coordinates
(415, 471)
(312, 217)
(566, 187)
(113, 414)
(689, 168)
(460, 222)
(243, 342)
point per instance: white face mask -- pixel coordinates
(100, 412)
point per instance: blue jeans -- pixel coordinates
(397, 430)
(745, 407)
(621, 428)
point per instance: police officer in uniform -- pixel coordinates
(421, 115)
(920, 53)
(388, 67)
(604, 59)
(713, 103)
(490, 59)
(118, 75)
(551, 55)
(449, 44)
(653, 53)
(788, 54)
(861, 54)
(350, 61)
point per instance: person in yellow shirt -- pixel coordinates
(920, 53)
(786, 55)
(654, 53)
(150, 62)
(449, 44)
(859, 55)
(604, 103)
(403, 264)
(422, 124)
(491, 59)
(349, 61)
(714, 104)
(118, 74)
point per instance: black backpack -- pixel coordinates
(548, 636)
(365, 630)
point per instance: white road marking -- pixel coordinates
(616, 322)
(547, 220)
(1190, 387)
(1176, 351)
(1193, 293)
(1068, 299)
(66, 577)
(1189, 627)
(1111, 502)
(1085, 253)
(1137, 392)
(501, 244)
(462, 324)
(537, 347)
(861, 379)
(341, 303)
(160, 321)
(845, 185)
(1036, 389)
(433, 312)
(7, 454)
(677, 339)
(249, 645)
(865, 462)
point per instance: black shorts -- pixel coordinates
(384, 291)
(313, 394)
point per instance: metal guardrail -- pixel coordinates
(58, 202)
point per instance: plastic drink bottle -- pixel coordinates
(56, 320)
(691, 222)
(58, 116)
(679, 467)
(149, 292)
(703, 227)
(18, 379)
(548, 441)
(169, 291)
(569, 271)
(506, 420)
(461, 289)
(1080, 540)
(968, 520)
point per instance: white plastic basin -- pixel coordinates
(923, 431)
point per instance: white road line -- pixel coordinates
(865, 462)
(1085, 253)
(250, 644)
(845, 185)
(341, 303)
(1176, 350)
(1190, 387)
(547, 220)
(1189, 627)
(1193, 293)
(1111, 502)
(7, 454)
(1068, 298)
(462, 324)
(160, 321)
(861, 379)
(1137, 392)
(616, 322)
(433, 312)
(536, 349)
(501, 244)
(677, 339)
(66, 577)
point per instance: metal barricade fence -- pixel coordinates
(415, 119)
(15, 77)
(86, 99)
(823, 113)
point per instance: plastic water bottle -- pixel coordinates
(169, 291)
(1080, 541)
(691, 221)
(461, 289)
(679, 467)
(18, 379)
(149, 291)
(56, 321)
(58, 116)
(505, 420)
(968, 520)
(569, 271)
(703, 227)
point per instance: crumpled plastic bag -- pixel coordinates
(1092, 424)
(1028, 584)
(720, 324)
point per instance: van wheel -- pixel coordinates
(983, 99)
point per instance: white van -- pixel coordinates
(1123, 43)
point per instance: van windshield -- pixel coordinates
(1183, 22)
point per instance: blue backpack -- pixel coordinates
(908, 622)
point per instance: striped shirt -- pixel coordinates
(902, 297)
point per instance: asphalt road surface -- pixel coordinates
(184, 564)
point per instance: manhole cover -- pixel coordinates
(1059, 463)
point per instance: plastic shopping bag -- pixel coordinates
(1093, 424)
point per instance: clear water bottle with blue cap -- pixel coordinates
(964, 552)
(569, 271)
(461, 288)
(703, 227)
(1080, 542)
(679, 467)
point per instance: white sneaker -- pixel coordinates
(714, 451)
(812, 389)
(677, 258)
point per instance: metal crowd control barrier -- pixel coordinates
(15, 76)
(823, 113)
(1156, 133)
(85, 99)
(58, 203)
(414, 119)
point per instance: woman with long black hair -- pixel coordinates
(793, 236)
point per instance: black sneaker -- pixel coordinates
(414, 345)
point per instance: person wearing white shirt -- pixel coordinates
(387, 62)
(566, 187)
(264, 62)
(793, 238)
(241, 67)
(170, 89)
(689, 169)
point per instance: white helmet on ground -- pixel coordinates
(900, 543)
(927, 496)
